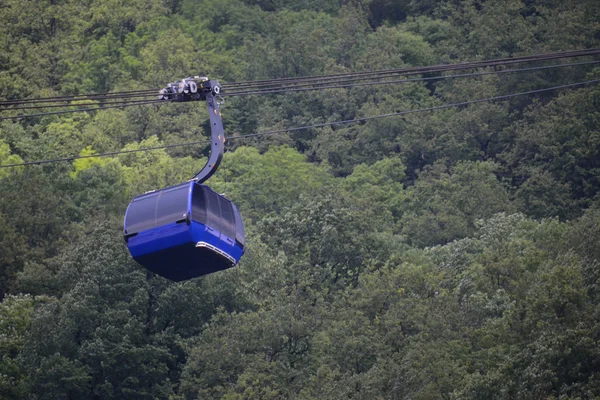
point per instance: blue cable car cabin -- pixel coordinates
(188, 230)
(184, 231)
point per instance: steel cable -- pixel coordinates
(55, 99)
(268, 86)
(300, 88)
(96, 103)
(305, 87)
(128, 104)
(420, 70)
(278, 84)
(296, 129)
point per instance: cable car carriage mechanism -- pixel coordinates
(187, 230)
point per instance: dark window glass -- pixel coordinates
(227, 219)
(199, 205)
(141, 214)
(240, 234)
(213, 210)
(172, 204)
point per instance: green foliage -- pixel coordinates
(334, 238)
(7, 158)
(380, 184)
(450, 254)
(113, 17)
(85, 163)
(392, 47)
(444, 206)
(15, 314)
(272, 5)
(143, 171)
(11, 258)
(35, 224)
(64, 137)
(272, 181)
(558, 142)
(72, 342)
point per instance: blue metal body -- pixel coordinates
(183, 247)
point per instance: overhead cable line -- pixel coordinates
(129, 104)
(434, 108)
(300, 88)
(130, 93)
(109, 154)
(16, 105)
(270, 86)
(342, 84)
(425, 69)
(278, 83)
(96, 103)
(363, 76)
(296, 129)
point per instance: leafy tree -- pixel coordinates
(73, 348)
(273, 5)
(448, 204)
(12, 256)
(269, 182)
(561, 144)
(15, 314)
(172, 54)
(108, 16)
(7, 158)
(383, 258)
(85, 163)
(380, 184)
(143, 171)
(35, 227)
(392, 47)
(64, 137)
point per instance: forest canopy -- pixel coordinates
(450, 254)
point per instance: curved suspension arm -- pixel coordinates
(217, 134)
(201, 88)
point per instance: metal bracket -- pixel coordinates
(201, 88)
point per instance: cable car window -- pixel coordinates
(172, 204)
(199, 205)
(240, 234)
(213, 210)
(141, 214)
(227, 219)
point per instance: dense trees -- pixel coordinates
(451, 254)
